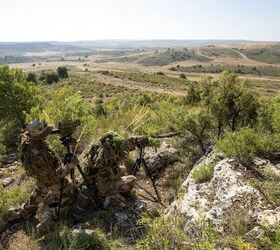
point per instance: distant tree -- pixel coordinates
(62, 72)
(31, 77)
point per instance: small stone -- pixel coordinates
(12, 168)
(256, 233)
(7, 182)
(268, 218)
(83, 231)
(259, 162)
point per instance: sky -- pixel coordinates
(73, 20)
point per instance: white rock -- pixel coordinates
(268, 218)
(7, 181)
(226, 191)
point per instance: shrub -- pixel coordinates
(66, 107)
(203, 173)
(11, 197)
(62, 72)
(31, 77)
(165, 232)
(183, 76)
(246, 144)
(235, 105)
(193, 95)
(63, 238)
(196, 128)
(51, 77)
(17, 96)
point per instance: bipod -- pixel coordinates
(140, 161)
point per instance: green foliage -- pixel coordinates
(164, 233)
(62, 238)
(172, 55)
(237, 69)
(51, 77)
(269, 54)
(9, 198)
(65, 106)
(31, 77)
(151, 80)
(193, 95)
(17, 96)
(234, 104)
(145, 99)
(183, 76)
(242, 245)
(245, 144)
(196, 128)
(203, 173)
(99, 108)
(62, 72)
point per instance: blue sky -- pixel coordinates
(68, 20)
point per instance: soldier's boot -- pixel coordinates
(126, 183)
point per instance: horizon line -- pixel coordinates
(141, 39)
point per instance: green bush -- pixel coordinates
(62, 72)
(63, 238)
(9, 198)
(196, 128)
(164, 233)
(193, 95)
(17, 96)
(183, 76)
(31, 77)
(66, 107)
(246, 144)
(234, 105)
(52, 77)
(203, 173)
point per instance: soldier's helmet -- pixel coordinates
(38, 129)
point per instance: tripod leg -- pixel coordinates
(136, 167)
(152, 179)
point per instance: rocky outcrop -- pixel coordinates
(227, 195)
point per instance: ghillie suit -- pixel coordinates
(42, 164)
(101, 161)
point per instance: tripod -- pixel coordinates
(66, 141)
(140, 161)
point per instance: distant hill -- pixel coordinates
(21, 47)
(37, 47)
(153, 44)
